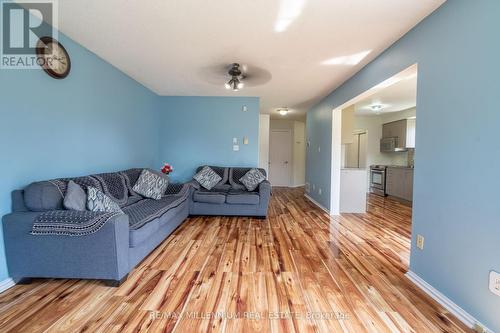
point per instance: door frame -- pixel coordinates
(336, 152)
(290, 154)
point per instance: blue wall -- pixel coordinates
(456, 201)
(199, 130)
(95, 120)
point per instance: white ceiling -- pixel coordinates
(400, 96)
(309, 47)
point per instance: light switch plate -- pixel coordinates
(245, 140)
(235, 141)
(236, 147)
(495, 283)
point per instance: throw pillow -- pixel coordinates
(75, 198)
(252, 179)
(97, 201)
(207, 177)
(150, 185)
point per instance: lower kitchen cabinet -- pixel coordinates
(399, 182)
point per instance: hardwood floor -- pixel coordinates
(297, 271)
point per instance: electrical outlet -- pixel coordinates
(319, 191)
(495, 282)
(420, 242)
(314, 187)
(319, 149)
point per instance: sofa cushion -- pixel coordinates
(242, 197)
(236, 173)
(114, 185)
(207, 177)
(43, 196)
(75, 198)
(131, 176)
(150, 185)
(252, 179)
(137, 236)
(212, 197)
(146, 210)
(97, 201)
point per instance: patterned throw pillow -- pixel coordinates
(100, 202)
(207, 177)
(252, 179)
(150, 185)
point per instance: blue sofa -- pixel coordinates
(108, 254)
(230, 197)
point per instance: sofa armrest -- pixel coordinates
(101, 255)
(265, 190)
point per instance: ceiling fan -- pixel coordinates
(237, 75)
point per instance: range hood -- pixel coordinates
(390, 145)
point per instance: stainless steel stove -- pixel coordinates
(377, 179)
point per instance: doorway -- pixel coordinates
(355, 152)
(360, 129)
(280, 153)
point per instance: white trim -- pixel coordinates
(336, 160)
(298, 185)
(6, 284)
(447, 303)
(316, 203)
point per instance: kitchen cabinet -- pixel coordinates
(403, 129)
(399, 182)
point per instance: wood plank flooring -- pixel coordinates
(300, 270)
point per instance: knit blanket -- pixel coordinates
(115, 185)
(145, 211)
(70, 222)
(81, 223)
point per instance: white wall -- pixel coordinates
(297, 128)
(264, 123)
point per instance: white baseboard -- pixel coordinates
(447, 303)
(299, 185)
(6, 284)
(317, 203)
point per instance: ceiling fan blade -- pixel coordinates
(218, 74)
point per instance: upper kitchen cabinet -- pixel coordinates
(403, 130)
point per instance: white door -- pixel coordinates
(280, 144)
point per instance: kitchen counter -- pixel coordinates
(399, 166)
(353, 190)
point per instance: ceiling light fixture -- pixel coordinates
(376, 108)
(236, 78)
(283, 111)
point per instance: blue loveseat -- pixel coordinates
(230, 197)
